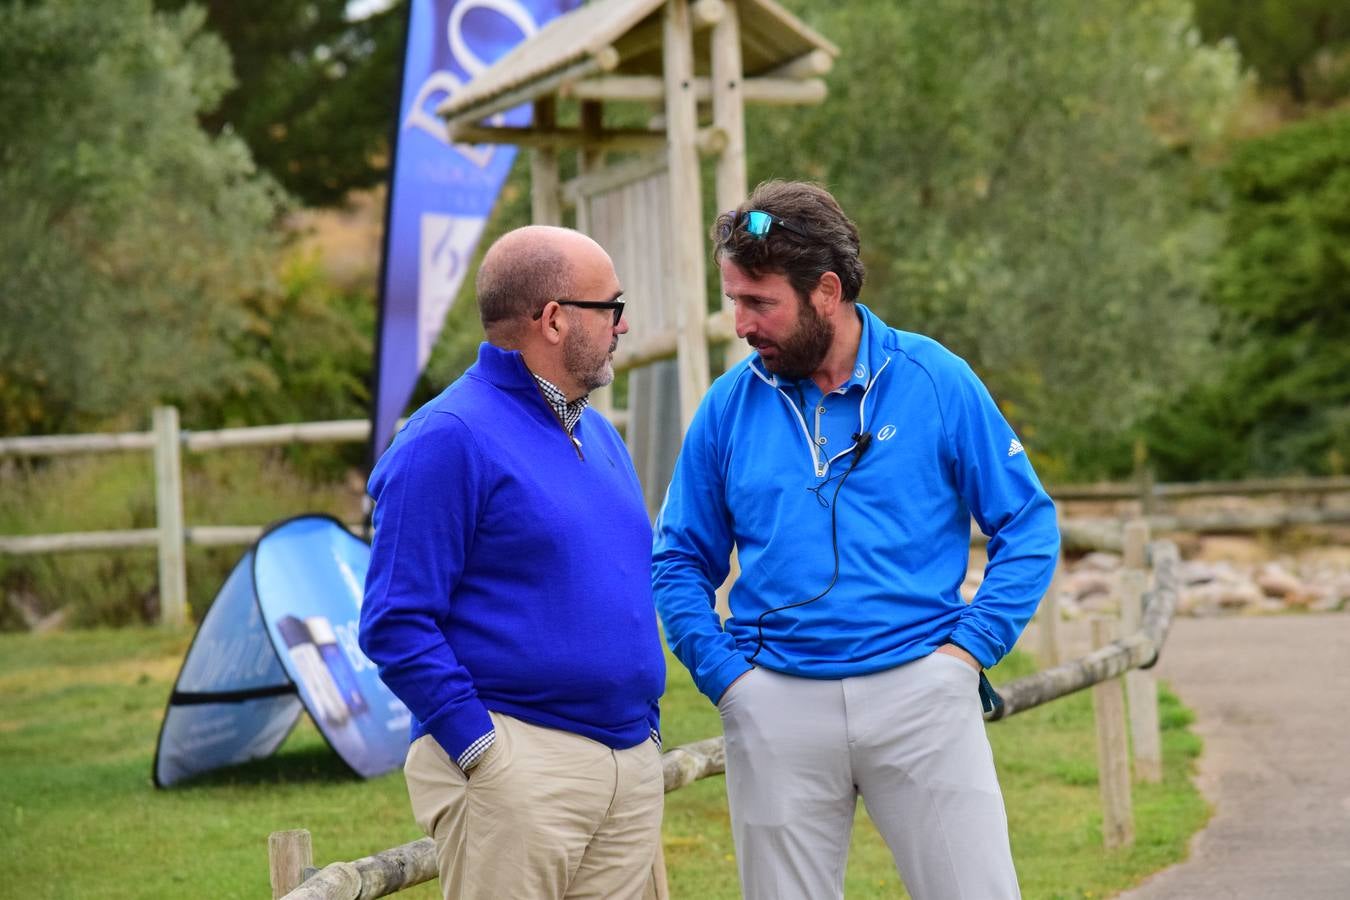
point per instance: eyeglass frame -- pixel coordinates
(616, 305)
(758, 234)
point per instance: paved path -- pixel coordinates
(1272, 702)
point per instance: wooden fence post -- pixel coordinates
(1143, 475)
(1141, 687)
(289, 854)
(1113, 757)
(1049, 647)
(169, 516)
(658, 888)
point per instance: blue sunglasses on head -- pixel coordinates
(758, 224)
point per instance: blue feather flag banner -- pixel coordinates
(440, 194)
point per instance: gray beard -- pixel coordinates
(585, 368)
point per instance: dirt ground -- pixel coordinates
(1269, 695)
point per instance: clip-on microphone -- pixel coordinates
(860, 444)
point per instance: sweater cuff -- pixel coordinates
(456, 728)
(715, 683)
(972, 640)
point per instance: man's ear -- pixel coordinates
(553, 323)
(828, 294)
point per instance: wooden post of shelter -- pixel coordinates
(685, 210)
(728, 106)
(1113, 757)
(1141, 687)
(590, 160)
(645, 51)
(731, 187)
(686, 202)
(169, 516)
(639, 190)
(545, 195)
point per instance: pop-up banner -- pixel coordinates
(280, 637)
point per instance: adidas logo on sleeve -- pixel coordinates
(1015, 447)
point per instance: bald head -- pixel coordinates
(525, 269)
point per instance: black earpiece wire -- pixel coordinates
(860, 444)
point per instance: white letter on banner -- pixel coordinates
(519, 16)
(448, 83)
(447, 245)
(437, 83)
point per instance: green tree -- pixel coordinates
(1281, 400)
(315, 92)
(1026, 181)
(1301, 46)
(131, 239)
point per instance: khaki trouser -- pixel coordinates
(545, 814)
(910, 741)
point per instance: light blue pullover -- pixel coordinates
(758, 471)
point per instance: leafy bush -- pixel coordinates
(1029, 182)
(130, 238)
(305, 357)
(1280, 401)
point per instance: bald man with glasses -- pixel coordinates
(508, 601)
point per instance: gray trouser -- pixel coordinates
(910, 740)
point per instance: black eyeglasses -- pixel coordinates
(615, 305)
(758, 224)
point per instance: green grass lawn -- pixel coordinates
(79, 816)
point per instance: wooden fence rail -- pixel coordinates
(1139, 650)
(390, 871)
(167, 440)
(1114, 490)
(337, 431)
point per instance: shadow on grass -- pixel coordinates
(301, 765)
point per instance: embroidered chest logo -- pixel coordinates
(886, 433)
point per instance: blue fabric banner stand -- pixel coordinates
(440, 194)
(280, 638)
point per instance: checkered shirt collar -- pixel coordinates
(569, 413)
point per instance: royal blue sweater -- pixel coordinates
(759, 470)
(510, 569)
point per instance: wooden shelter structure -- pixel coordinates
(693, 65)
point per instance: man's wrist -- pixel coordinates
(962, 654)
(734, 680)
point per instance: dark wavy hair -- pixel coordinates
(828, 239)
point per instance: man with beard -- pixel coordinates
(508, 601)
(843, 463)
